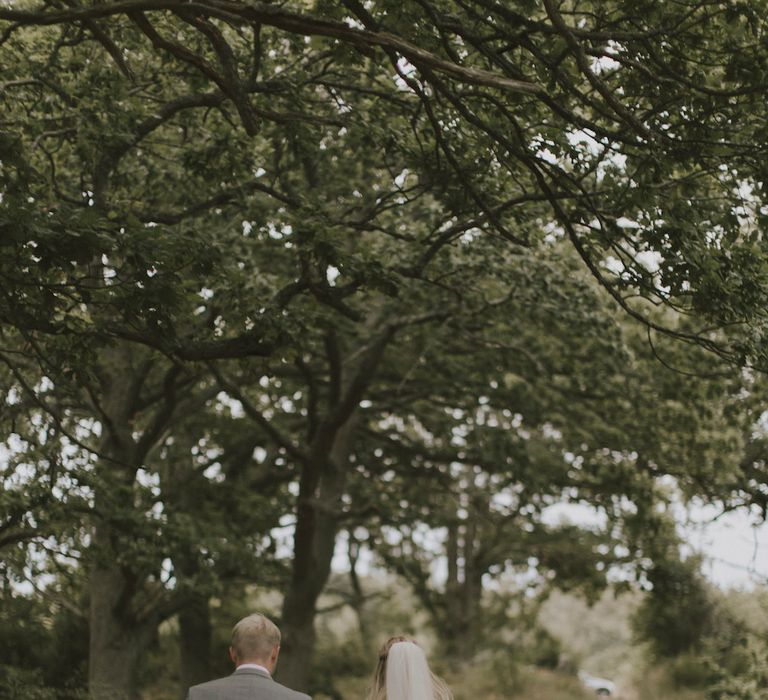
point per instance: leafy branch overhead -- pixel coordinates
(632, 133)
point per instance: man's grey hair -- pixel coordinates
(254, 637)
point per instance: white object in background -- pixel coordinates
(601, 686)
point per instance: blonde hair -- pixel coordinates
(378, 690)
(254, 637)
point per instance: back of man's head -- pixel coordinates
(255, 638)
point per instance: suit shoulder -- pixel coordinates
(266, 688)
(208, 685)
(213, 683)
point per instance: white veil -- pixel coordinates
(408, 674)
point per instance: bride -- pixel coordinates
(402, 673)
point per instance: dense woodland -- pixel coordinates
(382, 279)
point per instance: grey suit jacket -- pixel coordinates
(245, 684)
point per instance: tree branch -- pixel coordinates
(275, 16)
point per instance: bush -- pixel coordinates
(691, 671)
(678, 613)
(25, 684)
(751, 684)
(44, 650)
(546, 650)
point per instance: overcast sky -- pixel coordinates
(734, 546)
(736, 549)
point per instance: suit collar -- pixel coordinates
(251, 672)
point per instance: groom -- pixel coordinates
(254, 651)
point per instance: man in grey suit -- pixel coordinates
(254, 651)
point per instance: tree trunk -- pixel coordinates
(463, 591)
(182, 496)
(317, 525)
(358, 601)
(450, 627)
(118, 638)
(314, 543)
(473, 587)
(319, 509)
(195, 643)
(298, 629)
(116, 645)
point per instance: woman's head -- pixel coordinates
(402, 673)
(380, 675)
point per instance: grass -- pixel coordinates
(496, 681)
(655, 685)
(521, 683)
(490, 682)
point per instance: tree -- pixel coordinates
(599, 118)
(575, 409)
(231, 191)
(677, 615)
